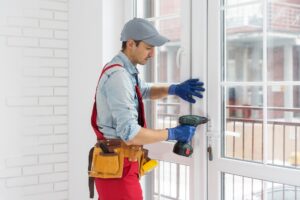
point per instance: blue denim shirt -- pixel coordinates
(116, 100)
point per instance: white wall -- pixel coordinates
(91, 46)
(47, 95)
(112, 23)
(33, 99)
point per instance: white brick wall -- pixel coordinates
(34, 74)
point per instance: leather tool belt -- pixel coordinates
(107, 158)
(132, 152)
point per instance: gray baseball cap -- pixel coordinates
(141, 29)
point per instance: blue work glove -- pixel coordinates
(183, 133)
(187, 89)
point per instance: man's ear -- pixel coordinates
(130, 43)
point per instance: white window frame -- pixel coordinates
(218, 165)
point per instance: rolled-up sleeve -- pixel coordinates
(120, 98)
(145, 89)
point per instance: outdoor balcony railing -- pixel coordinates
(244, 137)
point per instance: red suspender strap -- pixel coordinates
(99, 134)
(141, 110)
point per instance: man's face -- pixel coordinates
(141, 53)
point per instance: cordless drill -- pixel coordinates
(182, 148)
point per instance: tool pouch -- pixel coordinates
(107, 165)
(146, 164)
(142, 161)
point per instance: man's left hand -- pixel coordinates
(187, 89)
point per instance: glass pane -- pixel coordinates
(243, 134)
(283, 40)
(284, 125)
(243, 42)
(284, 16)
(168, 71)
(169, 7)
(156, 8)
(168, 109)
(243, 129)
(239, 187)
(244, 140)
(166, 61)
(244, 101)
(171, 28)
(171, 181)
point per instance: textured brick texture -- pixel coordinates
(34, 74)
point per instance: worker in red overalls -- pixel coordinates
(118, 114)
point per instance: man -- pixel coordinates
(120, 112)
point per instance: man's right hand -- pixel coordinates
(183, 133)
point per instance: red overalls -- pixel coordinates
(128, 187)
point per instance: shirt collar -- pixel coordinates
(128, 64)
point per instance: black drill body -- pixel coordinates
(182, 148)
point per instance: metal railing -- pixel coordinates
(171, 181)
(244, 188)
(244, 137)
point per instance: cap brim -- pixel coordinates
(157, 40)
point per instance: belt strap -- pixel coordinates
(91, 179)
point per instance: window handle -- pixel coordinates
(210, 153)
(212, 137)
(178, 57)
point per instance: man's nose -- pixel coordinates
(152, 52)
